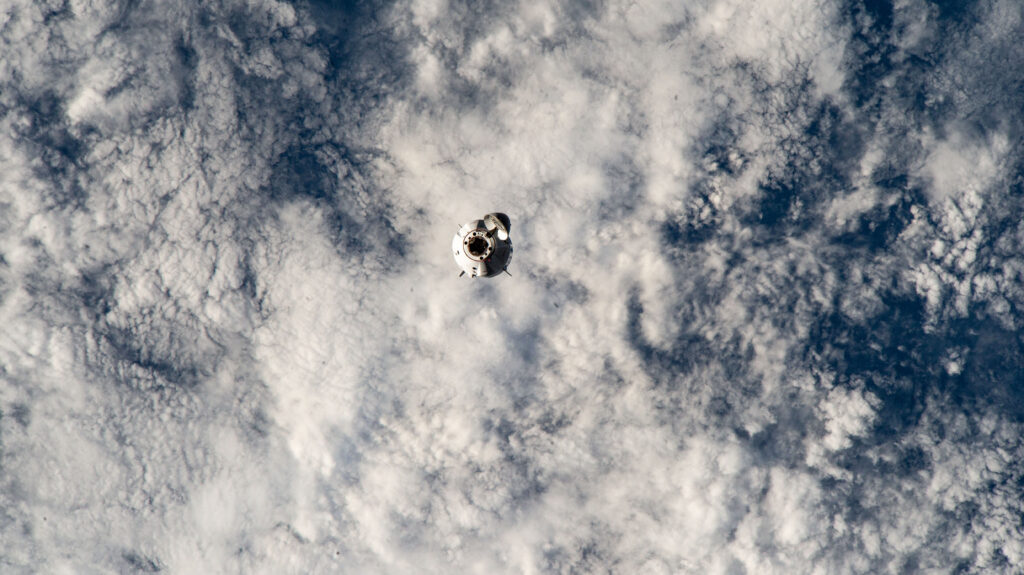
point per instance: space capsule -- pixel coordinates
(482, 248)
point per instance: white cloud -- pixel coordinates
(235, 339)
(964, 169)
(846, 414)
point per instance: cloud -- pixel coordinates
(762, 317)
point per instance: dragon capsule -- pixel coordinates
(482, 248)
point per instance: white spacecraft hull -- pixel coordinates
(482, 248)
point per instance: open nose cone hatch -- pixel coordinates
(482, 248)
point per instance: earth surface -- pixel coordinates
(765, 312)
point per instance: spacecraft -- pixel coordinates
(482, 248)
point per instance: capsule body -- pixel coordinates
(482, 248)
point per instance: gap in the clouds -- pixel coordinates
(628, 181)
(351, 22)
(165, 353)
(783, 440)
(141, 563)
(54, 12)
(95, 290)
(870, 51)
(896, 62)
(562, 289)
(183, 69)
(348, 453)
(880, 227)
(367, 58)
(694, 378)
(250, 282)
(62, 153)
(907, 364)
(21, 414)
(121, 14)
(335, 179)
(993, 376)
(722, 160)
(521, 472)
(880, 11)
(919, 58)
(958, 12)
(586, 555)
(327, 163)
(815, 168)
(891, 352)
(697, 223)
(668, 364)
(818, 147)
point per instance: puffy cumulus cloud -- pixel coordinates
(140, 198)
(763, 315)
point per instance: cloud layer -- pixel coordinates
(764, 313)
